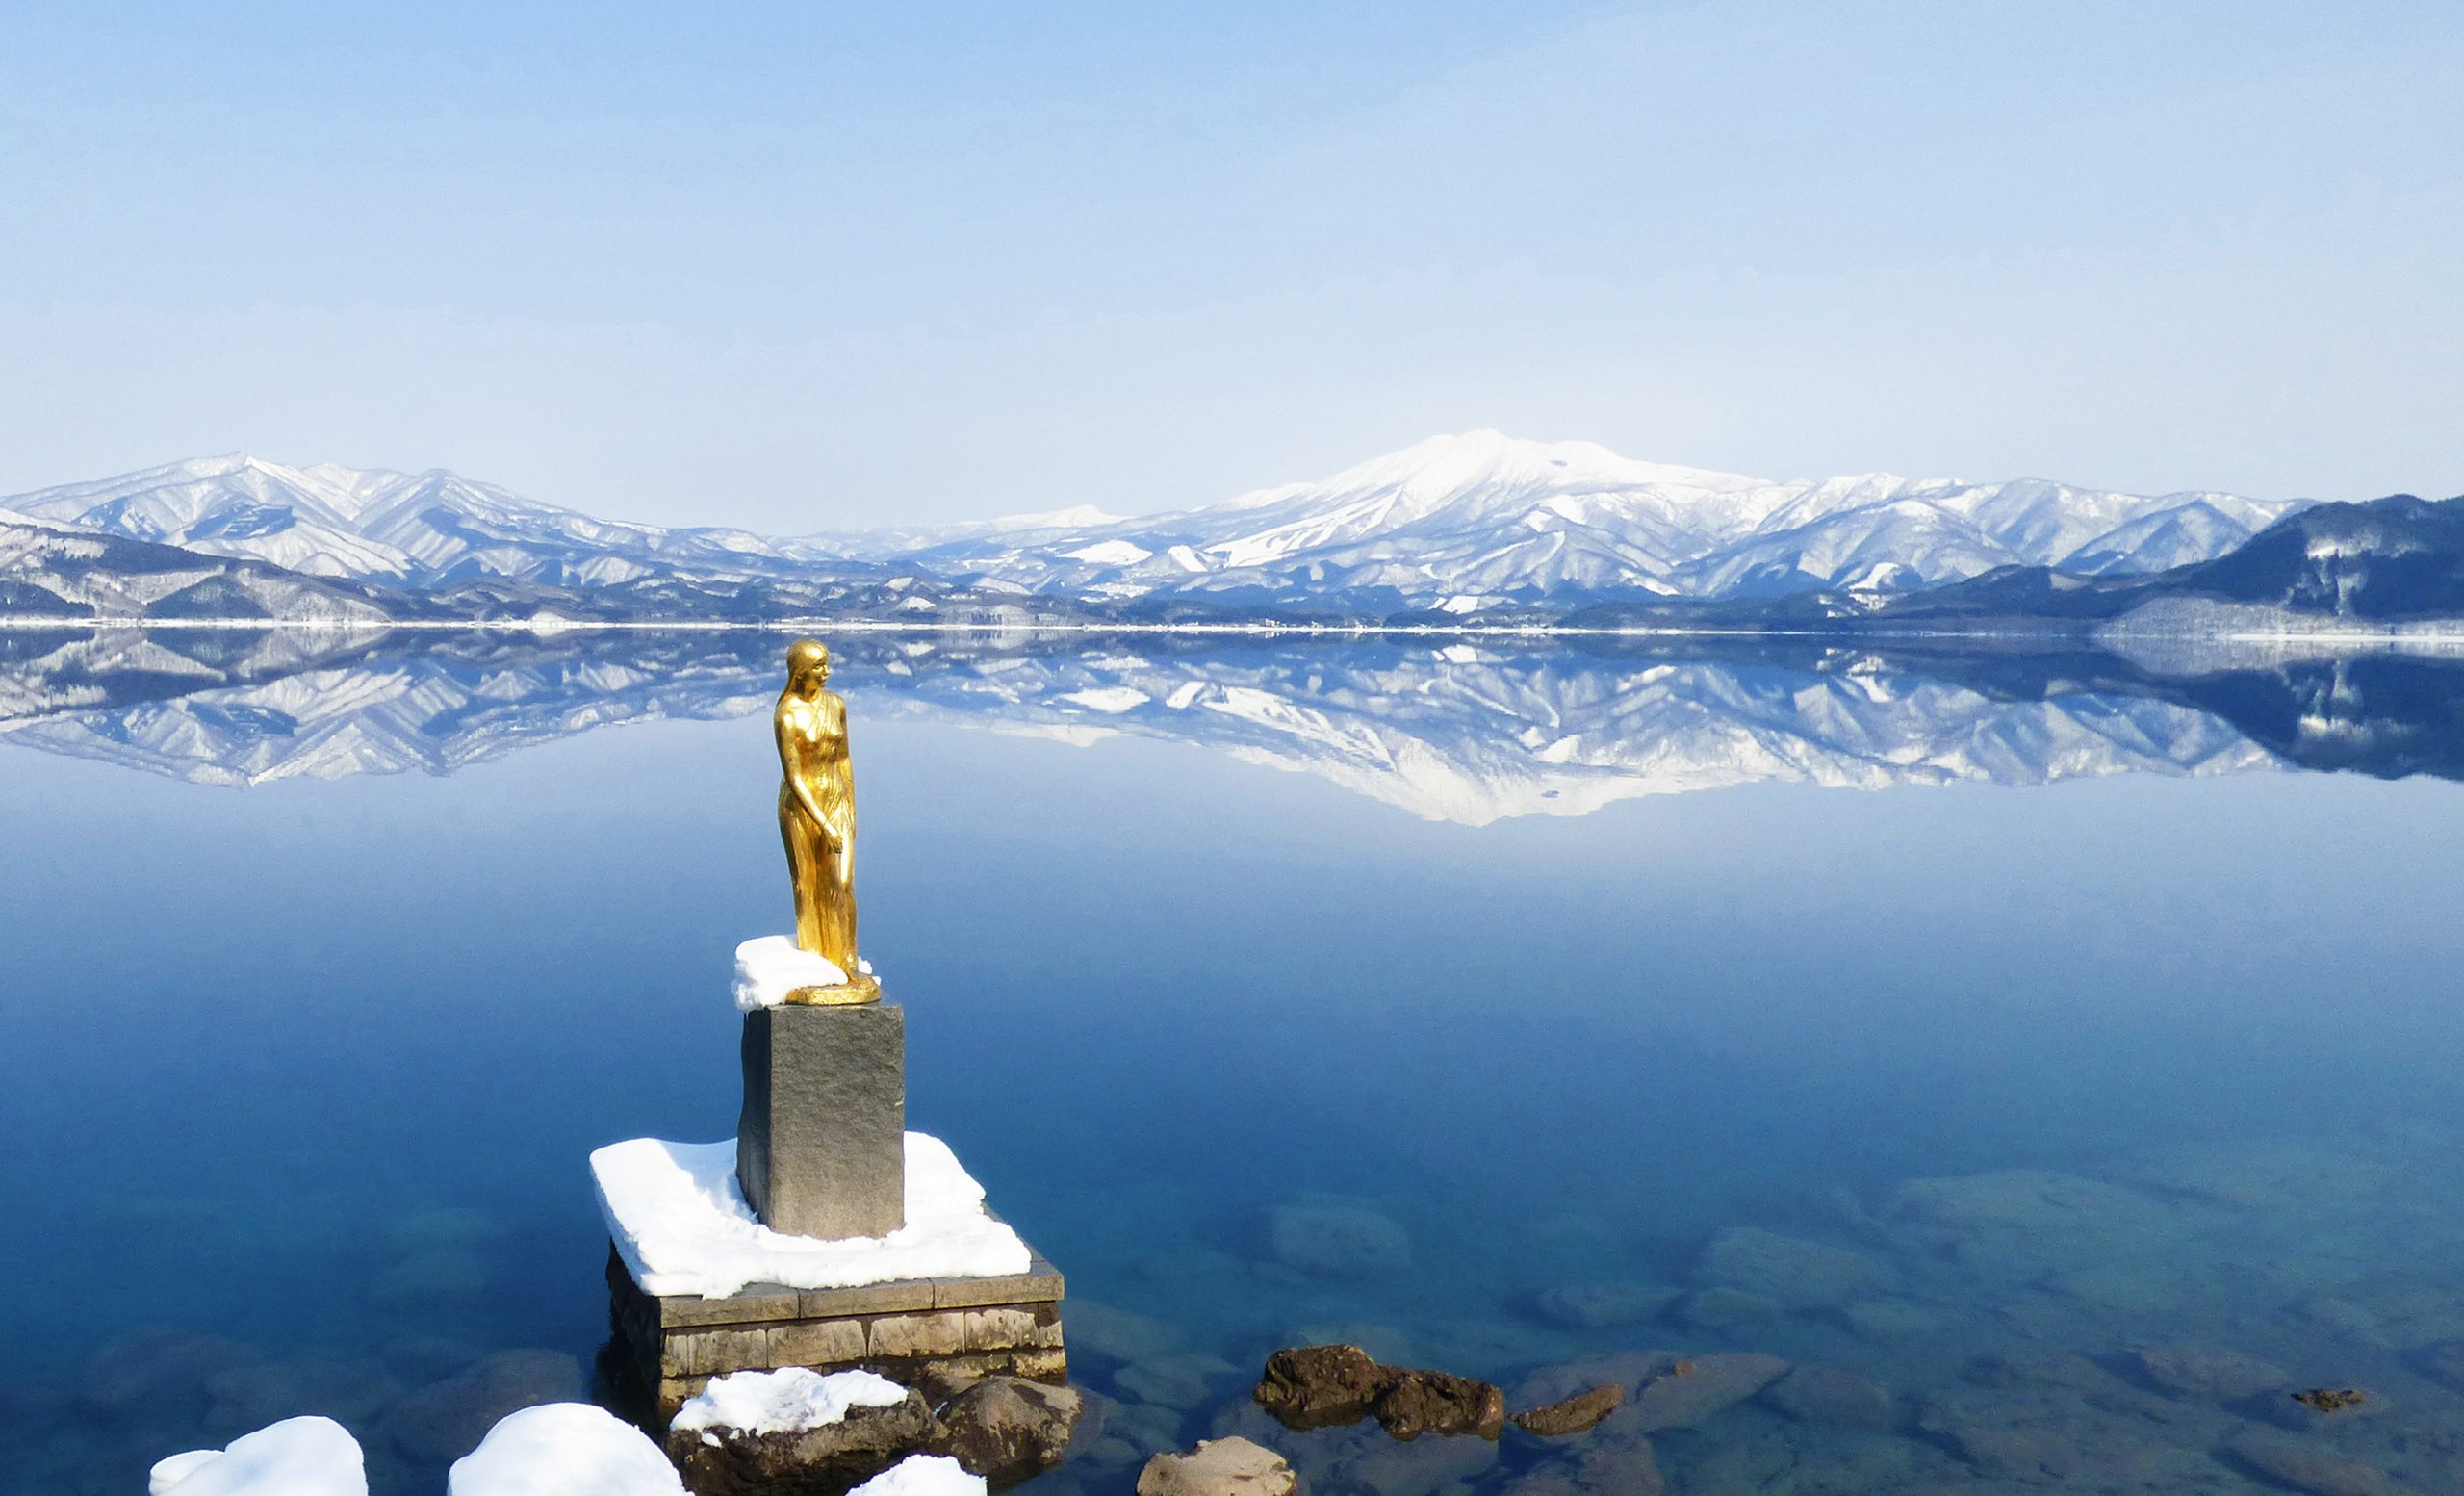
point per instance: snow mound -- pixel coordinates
(680, 1220)
(923, 1475)
(564, 1449)
(769, 969)
(784, 1402)
(298, 1457)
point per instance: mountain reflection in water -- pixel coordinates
(1470, 730)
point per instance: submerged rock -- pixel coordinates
(1181, 1380)
(1725, 1308)
(1694, 1388)
(2216, 1376)
(2316, 1471)
(1820, 1394)
(1602, 1305)
(1361, 1459)
(2319, 1407)
(1338, 1241)
(1789, 1271)
(1219, 1467)
(448, 1419)
(1608, 1463)
(1571, 1415)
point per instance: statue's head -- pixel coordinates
(808, 658)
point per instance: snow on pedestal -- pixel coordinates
(680, 1222)
(923, 1475)
(791, 1400)
(767, 970)
(564, 1449)
(298, 1457)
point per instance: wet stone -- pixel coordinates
(1007, 1428)
(1316, 1386)
(1571, 1415)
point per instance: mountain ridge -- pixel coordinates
(1454, 524)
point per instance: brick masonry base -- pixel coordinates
(917, 1331)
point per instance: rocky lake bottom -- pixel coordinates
(1958, 1140)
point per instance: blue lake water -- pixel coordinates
(2009, 1033)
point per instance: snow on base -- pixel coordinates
(564, 1449)
(923, 1475)
(784, 1402)
(298, 1457)
(680, 1220)
(769, 969)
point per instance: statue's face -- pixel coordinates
(808, 664)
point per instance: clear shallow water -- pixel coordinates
(2095, 1025)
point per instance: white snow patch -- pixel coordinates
(767, 970)
(680, 1222)
(784, 1402)
(923, 1475)
(1108, 698)
(298, 1457)
(1109, 553)
(1184, 694)
(564, 1449)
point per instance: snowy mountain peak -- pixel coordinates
(1459, 524)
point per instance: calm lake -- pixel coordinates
(2058, 1055)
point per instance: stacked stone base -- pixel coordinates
(934, 1333)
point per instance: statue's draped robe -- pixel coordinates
(822, 859)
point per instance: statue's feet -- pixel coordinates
(862, 988)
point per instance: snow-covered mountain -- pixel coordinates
(1465, 523)
(423, 530)
(1457, 524)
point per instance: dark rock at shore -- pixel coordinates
(1319, 1386)
(1571, 1415)
(1432, 1402)
(1007, 1428)
(825, 1461)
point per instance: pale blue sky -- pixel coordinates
(797, 267)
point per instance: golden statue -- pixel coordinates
(818, 821)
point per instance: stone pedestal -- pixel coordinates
(924, 1332)
(821, 1148)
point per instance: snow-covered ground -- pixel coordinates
(789, 1401)
(298, 1457)
(680, 1222)
(923, 1475)
(564, 1449)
